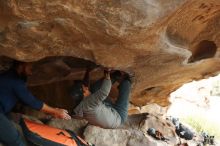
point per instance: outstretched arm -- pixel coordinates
(56, 112)
(100, 94)
(25, 96)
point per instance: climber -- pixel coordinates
(94, 104)
(12, 89)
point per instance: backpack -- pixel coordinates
(184, 132)
(156, 134)
(42, 135)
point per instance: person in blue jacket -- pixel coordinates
(13, 88)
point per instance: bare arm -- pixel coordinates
(86, 79)
(107, 74)
(56, 112)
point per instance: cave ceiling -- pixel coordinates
(165, 43)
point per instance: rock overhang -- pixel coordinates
(165, 43)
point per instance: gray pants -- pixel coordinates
(122, 102)
(9, 135)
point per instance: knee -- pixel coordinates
(14, 139)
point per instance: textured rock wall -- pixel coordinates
(165, 42)
(132, 133)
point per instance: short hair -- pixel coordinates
(77, 91)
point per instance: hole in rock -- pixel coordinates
(53, 79)
(205, 49)
(151, 90)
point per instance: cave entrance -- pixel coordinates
(205, 49)
(198, 108)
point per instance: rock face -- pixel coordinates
(165, 42)
(131, 134)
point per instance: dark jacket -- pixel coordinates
(12, 89)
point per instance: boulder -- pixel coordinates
(75, 125)
(166, 43)
(133, 132)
